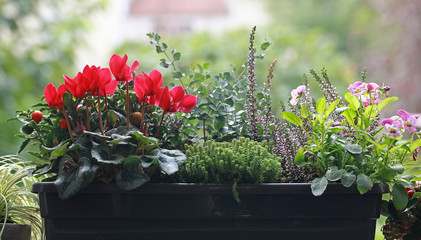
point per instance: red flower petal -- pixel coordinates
(187, 104)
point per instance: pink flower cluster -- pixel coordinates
(368, 92)
(396, 125)
(297, 94)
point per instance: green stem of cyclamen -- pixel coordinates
(100, 115)
(106, 109)
(162, 118)
(69, 127)
(88, 126)
(127, 101)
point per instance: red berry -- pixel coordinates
(63, 124)
(37, 116)
(410, 193)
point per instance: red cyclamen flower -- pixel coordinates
(175, 100)
(121, 71)
(145, 85)
(54, 96)
(75, 85)
(97, 79)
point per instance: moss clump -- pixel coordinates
(239, 161)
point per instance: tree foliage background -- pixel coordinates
(38, 42)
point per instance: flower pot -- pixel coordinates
(14, 231)
(209, 211)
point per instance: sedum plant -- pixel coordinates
(17, 203)
(238, 161)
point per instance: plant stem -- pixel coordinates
(88, 127)
(6, 214)
(127, 101)
(162, 118)
(100, 115)
(69, 127)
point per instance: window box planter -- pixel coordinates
(14, 231)
(208, 211)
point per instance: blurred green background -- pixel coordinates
(40, 40)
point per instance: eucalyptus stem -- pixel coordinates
(100, 115)
(69, 127)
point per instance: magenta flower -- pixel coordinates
(392, 127)
(373, 87)
(409, 120)
(357, 88)
(297, 94)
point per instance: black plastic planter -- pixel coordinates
(14, 231)
(198, 211)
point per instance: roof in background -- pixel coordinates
(177, 7)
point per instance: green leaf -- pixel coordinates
(341, 110)
(353, 148)
(399, 196)
(170, 160)
(147, 143)
(23, 145)
(176, 56)
(264, 45)
(148, 159)
(353, 101)
(321, 106)
(347, 179)
(304, 111)
(292, 118)
(331, 108)
(318, 186)
(177, 75)
(399, 168)
(73, 177)
(350, 115)
(334, 174)
(104, 154)
(299, 158)
(364, 183)
(385, 174)
(415, 144)
(129, 180)
(60, 151)
(371, 111)
(385, 102)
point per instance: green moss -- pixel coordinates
(239, 161)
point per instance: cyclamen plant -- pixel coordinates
(355, 148)
(85, 135)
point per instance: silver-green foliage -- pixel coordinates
(17, 203)
(239, 161)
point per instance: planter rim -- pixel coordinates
(200, 188)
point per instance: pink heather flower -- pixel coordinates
(392, 127)
(408, 120)
(357, 88)
(297, 94)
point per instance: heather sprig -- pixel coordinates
(251, 105)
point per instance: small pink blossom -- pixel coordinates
(392, 127)
(357, 88)
(297, 94)
(373, 87)
(408, 120)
